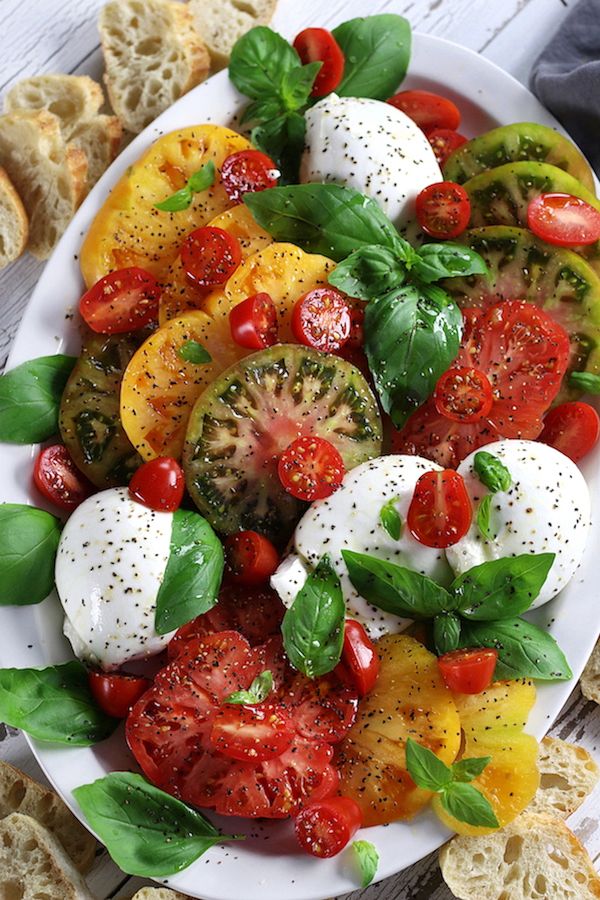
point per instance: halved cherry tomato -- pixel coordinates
(360, 657)
(444, 142)
(253, 322)
(311, 468)
(116, 694)
(563, 220)
(122, 301)
(210, 255)
(251, 558)
(443, 209)
(440, 511)
(463, 394)
(322, 319)
(427, 109)
(57, 477)
(159, 484)
(468, 671)
(325, 828)
(254, 733)
(248, 171)
(572, 428)
(319, 45)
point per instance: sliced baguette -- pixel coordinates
(158, 893)
(222, 22)
(48, 174)
(70, 97)
(536, 857)
(14, 224)
(153, 55)
(590, 679)
(34, 865)
(568, 775)
(100, 139)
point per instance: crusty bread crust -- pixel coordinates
(568, 773)
(590, 679)
(100, 139)
(14, 224)
(70, 97)
(222, 22)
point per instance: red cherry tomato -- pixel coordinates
(572, 428)
(122, 301)
(563, 220)
(428, 110)
(253, 322)
(251, 558)
(159, 484)
(248, 171)
(310, 469)
(322, 319)
(210, 256)
(325, 828)
(440, 511)
(360, 657)
(444, 142)
(256, 733)
(59, 480)
(463, 394)
(319, 45)
(357, 323)
(443, 209)
(468, 671)
(116, 694)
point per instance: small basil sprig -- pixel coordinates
(585, 381)
(377, 53)
(484, 518)
(459, 798)
(492, 473)
(146, 831)
(524, 650)
(446, 632)
(313, 626)
(30, 397)
(182, 199)
(28, 543)
(390, 519)
(367, 858)
(194, 352)
(258, 691)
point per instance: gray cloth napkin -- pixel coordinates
(566, 77)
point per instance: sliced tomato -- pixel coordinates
(253, 322)
(251, 558)
(255, 733)
(311, 468)
(444, 142)
(116, 694)
(443, 209)
(572, 428)
(440, 511)
(122, 301)
(563, 220)
(248, 171)
(468, 671)
(360, 657)
(463, 394)
(58, 479)
(325, 709)
(210, 256)
(159, 484)
(325, 828)
(427, 109)
(322, 319)
(319, 45)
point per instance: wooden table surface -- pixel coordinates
(38, 36)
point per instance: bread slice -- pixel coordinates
(222, 22)
(568, 775)
(158, 893)
(100, 140)
(590, 678)
(536, 857)
(48, 174)
(14, 224)
(70, 97)
(33, 865)
(153, 55)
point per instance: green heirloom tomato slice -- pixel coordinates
(241, 424)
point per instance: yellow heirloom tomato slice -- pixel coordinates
(130, 231)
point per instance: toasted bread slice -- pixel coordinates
(70, 97)
(34, 865)
(14, 224)
(590, 678)
(222, 22)
(568, 775)
(100, 140)
(158, 893)
(153, 55)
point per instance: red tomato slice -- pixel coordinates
(427, 109)
(443, 209)
(58, 479)
(252, 732)
(159, 484)
(319, 45)
(563, 220)
(322, 319)
(468, 671)
(360, 657)
(440, 511)
(463, 394)
(572, 428)
(210, 256)
(248, 171)
(251, 558)
(444, 142)
(311, 468)
(325, 828)
(253, 322)
(116, 694)
(122, 301)
(325, 709)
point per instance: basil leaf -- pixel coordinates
(501, 588)
(259, 62)
(262, 110)
(258, 691)
(390, 519)
(369, 273)
(177, 202)
(425, 768)
(467, 804)
(53, 704)
(524, 650)
(28, 542)
(395, 589)
(435, 261)
(30, 397)
(446, 633)
(411, 337)
(484, 518)
(203, 178)
(193, 575)
(194, 352)
(585, 381)
(146, 831)
(367, 858)
(491, 472)
(282, 139)
(468, 769)
(322, 218)
(313, 626)
(377, 53)
(296, 85)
